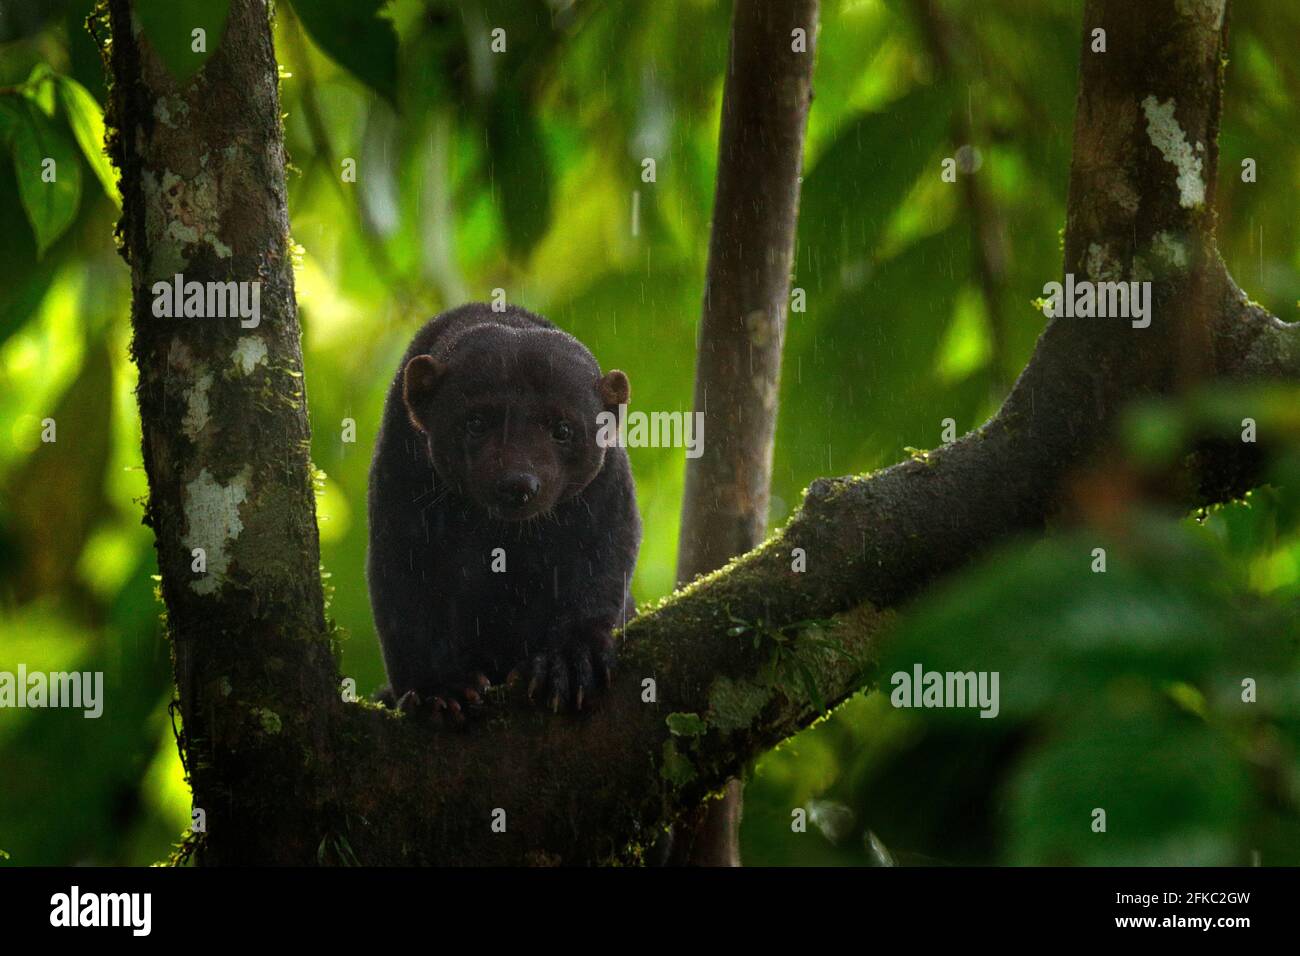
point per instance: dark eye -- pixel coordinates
(562, 431)
(475, 426)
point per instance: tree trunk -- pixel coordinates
(224, 415)
(288, 771)
(765, 101)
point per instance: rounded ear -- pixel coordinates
(614, 388)
(419, 381)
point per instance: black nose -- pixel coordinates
(517, 488)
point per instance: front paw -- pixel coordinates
(451, 701)
(568, 676)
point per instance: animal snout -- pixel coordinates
(517, 488)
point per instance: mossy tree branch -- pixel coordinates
(289, 772)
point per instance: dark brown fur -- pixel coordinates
(472, 457)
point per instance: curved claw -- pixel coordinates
(584, 681)
(537, 674)
(558, 677)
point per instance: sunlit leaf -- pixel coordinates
(87, 122)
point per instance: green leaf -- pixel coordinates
(863, 347)
(1058, 633)
(855, 186)
(38, 88)
(10, 113)
(170, 26)
(686, 725)
(810, 685)
(355, 37)
(521, 176)
(1174, 791)
(50, 206)
(87, 122)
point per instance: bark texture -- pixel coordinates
(224, 414)
(290, 772)
(765, 101)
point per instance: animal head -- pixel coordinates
(510, 417)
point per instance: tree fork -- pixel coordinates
(288, 772)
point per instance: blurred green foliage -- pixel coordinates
(519, 170)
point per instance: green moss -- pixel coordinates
(676, 767)
(734, 705)
(686, 725)
(924, 457)
(182, 851)
(270, 719)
